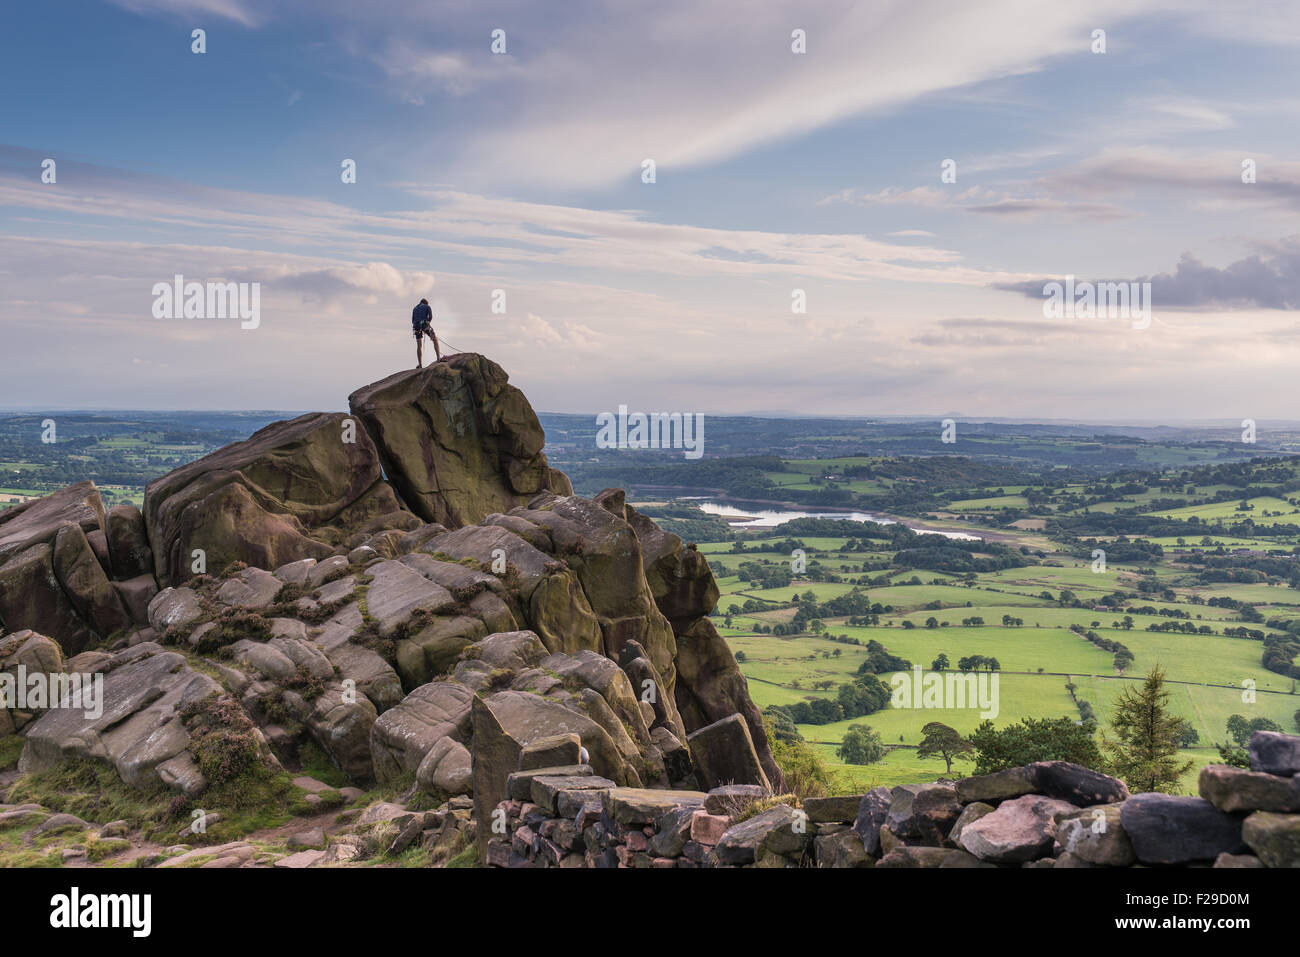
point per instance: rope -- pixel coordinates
(454, 349)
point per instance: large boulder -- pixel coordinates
(781, 831)
(496, 757)
(341, 723)
(1236, 789)
(1096, 836)
(1274, 837)
(1020, 829)
(137, 726)
(292, 490)
(723, 753)
(54, 569)
(527, 717)
(447, 769)
(403, 736)
(1273, 752)
(1174, 829)
(32, 597)
(457, 440)
(40, 519)
(33, 654)
(873, 811)
(1059, 779)
(710, 687)
(84, 581)
(923, 813)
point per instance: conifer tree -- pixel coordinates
(1144, 750)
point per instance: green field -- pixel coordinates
(1206, 673)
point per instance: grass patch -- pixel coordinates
(11, 746)
(93, 792)
(468, 857)
(315, 763)
(753, 808)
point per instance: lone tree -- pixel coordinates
(939, 740)
(1145, 749)
(861, 745)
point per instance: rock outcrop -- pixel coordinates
(457, 440)
(709, 686)
(409, 588)
(53, 579)
(293, 490)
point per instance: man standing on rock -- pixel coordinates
(421, 326)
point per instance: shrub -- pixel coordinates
(306, 684)
(803, 769)
(225, 744)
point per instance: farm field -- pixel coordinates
(1265, 510)
(1209, 677)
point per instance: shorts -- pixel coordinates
(424, 330)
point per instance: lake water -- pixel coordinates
(772, 517)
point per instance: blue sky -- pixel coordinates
(776, 171)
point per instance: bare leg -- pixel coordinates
(436, 351)
(419, 352)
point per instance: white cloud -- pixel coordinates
(244, 12)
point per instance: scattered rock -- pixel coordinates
(313, 838)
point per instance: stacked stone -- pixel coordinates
(1055, 814)
(1268, 795)
(569, 817)
(1047, 814)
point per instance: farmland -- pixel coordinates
(1202, 600)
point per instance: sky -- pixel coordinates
(781, 178)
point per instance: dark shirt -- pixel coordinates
(421, 314)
